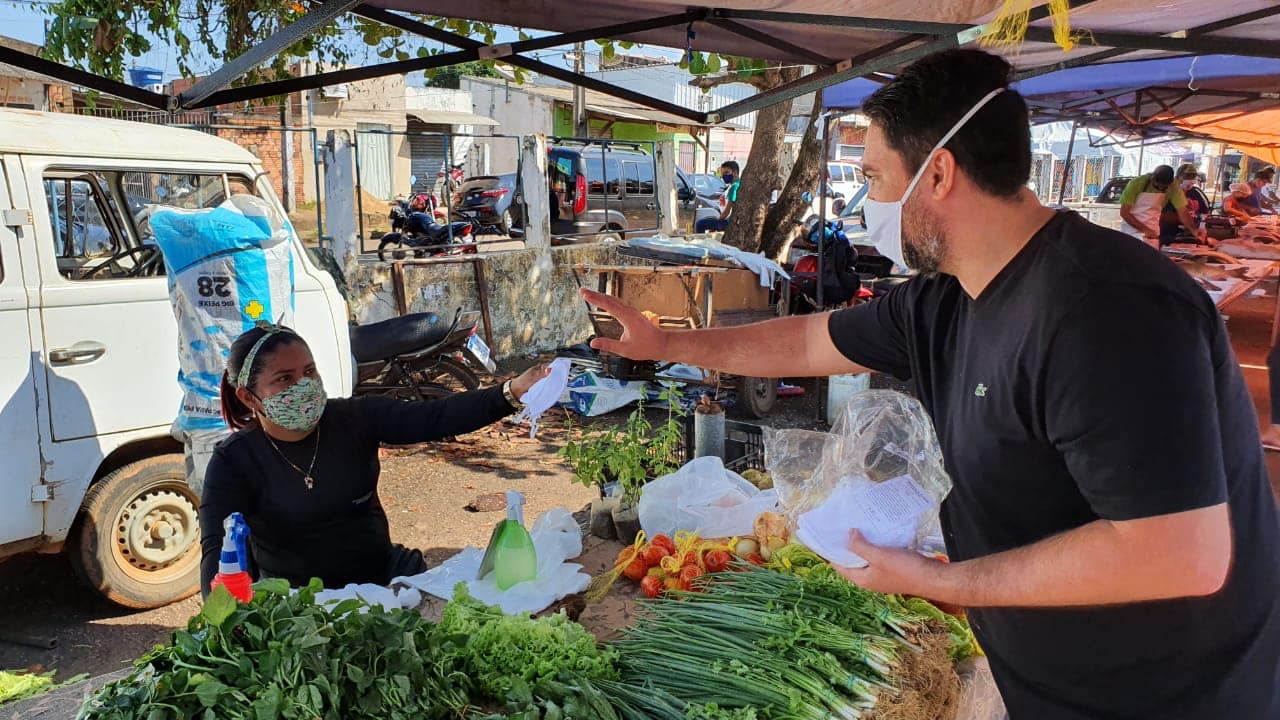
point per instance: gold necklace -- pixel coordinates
(306, 474)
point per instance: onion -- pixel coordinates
(745, 547)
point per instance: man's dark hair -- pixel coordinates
(1162, 174)
(1266, 173)
(918, 107)
(732, 165)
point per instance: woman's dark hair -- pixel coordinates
(236, 414)
(921, 104)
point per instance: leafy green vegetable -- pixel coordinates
(503, 654)
(283, 657)
(15, 685)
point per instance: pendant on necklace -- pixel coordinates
(309, 482)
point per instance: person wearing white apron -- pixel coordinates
(1145, 197)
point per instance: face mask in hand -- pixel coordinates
(297, 407)
(884, 219)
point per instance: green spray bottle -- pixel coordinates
(511, 556)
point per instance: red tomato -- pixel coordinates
(664, 541)
(688, 574)
(654, 553)
(651, 585)
(636, 569)
(717, 560)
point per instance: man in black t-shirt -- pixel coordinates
(1111, 526)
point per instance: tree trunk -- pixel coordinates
(760, 177)
(781, 222)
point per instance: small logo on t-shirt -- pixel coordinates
(980, 391)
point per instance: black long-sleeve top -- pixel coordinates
(337, 531)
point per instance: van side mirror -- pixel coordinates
(685, 194)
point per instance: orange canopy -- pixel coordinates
(1257, 133)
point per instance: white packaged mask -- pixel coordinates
(884, 219)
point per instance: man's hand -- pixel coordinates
(641, 339)
(893, 570)
(521, 385)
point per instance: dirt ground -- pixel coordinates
(425, 491)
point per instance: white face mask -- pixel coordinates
(884, 219)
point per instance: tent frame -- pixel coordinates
(922, 38)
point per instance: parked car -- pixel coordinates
(88, 387)
(487, 199)
(605, 190)
(1110, 193)
(845, 178)
(707, 184)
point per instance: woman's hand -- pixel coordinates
(521, 385)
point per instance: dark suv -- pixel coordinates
(607, 189)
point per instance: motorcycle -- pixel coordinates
(414, 230)
(841, 281)
(420, 356)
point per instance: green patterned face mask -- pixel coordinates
(297, 407)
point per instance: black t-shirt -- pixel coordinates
(1093, 379)
(337, 531)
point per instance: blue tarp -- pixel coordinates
(1208, 72)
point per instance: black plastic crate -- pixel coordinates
(743, 445)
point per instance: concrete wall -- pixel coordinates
(378, 101)
(533, 307)
(517, 113)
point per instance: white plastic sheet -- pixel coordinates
(703, 497)
(557, 539)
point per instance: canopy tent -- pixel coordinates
(1144, 93)
(844, 40)
(1258, 133)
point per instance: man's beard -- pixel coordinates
(924, 240)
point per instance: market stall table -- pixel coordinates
(686, 296)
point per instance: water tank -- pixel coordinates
(145, 77)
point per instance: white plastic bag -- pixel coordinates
(227, 267)
(556, 538)
(703, 497)
(544, 393)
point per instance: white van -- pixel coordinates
(88, 356)
(845, 178)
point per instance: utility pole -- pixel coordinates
(580, 127)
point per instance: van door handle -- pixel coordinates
(82, 352)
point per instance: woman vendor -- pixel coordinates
(1236, 204)
(303, 469)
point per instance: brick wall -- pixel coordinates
(852, 135)
(266, 143)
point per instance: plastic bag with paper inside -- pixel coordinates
(703, 497)
(879, 471)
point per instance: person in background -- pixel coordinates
(1262, 198)
(729, 171)
(303, 468)
(1237, 204)
(1197, 206)
(1143, 199)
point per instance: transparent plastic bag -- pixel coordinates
(703, 497)
(880, 436)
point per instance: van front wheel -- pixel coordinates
(137, 540)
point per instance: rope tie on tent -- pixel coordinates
(1191, 74)
(1010, 25)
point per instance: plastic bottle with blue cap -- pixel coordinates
(233, 563)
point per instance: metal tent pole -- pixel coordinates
(1066, 166)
